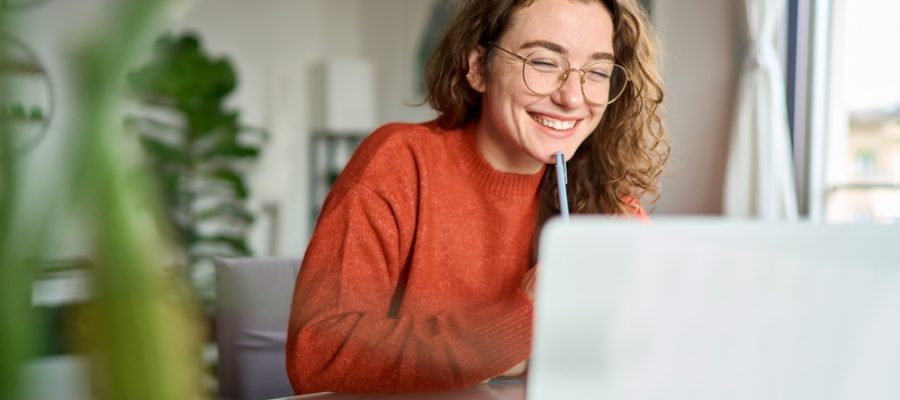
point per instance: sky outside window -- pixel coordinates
(873, 59)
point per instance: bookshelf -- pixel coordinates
(329, 152)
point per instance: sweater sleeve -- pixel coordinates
(341, 336)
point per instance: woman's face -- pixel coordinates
(519, 131)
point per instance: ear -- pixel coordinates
(475, 76)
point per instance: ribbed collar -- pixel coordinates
(503, 184)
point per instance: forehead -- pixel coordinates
(577, 26)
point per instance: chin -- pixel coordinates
(549, 156)
(568, 152)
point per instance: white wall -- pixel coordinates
(392, 31)
(701, 40)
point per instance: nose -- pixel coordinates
(569, 94)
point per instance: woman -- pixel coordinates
(419, 274)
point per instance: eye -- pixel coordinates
(599, 73)
(595, 75)
(544, 64)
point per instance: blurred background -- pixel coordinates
(290, 87)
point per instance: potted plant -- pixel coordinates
(198, 150)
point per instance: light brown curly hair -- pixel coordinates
(621, 160)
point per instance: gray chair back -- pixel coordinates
(253, 303)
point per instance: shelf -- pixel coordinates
(328, 153)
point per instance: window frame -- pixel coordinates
(810, 63)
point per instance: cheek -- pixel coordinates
(509, 88)
(598, 112)
(596, 117)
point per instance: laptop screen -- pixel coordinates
(710, 308)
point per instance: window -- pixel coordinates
(852, 109)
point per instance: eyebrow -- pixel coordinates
(600, 55)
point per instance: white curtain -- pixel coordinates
(759, 181)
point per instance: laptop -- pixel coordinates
(696, 308)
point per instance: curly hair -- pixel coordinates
(621, 160)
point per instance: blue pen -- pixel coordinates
(562, 178)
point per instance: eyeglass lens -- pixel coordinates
(545, 72)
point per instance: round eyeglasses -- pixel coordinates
(545, 72)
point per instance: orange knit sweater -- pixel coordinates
(411, 279)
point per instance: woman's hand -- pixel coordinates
(528, 280)
(517, 370)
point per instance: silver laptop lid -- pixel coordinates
(713, 309)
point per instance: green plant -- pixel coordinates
(142, 338)
(197, 148)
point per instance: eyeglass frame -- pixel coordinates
(564, 75)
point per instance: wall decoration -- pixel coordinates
(28, 110)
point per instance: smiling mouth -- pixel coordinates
(553, 123)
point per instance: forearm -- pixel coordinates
(362, 352)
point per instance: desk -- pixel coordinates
(508, 389)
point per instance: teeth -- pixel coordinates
(553, 123)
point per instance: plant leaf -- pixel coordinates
(162, 152)
(232, 179)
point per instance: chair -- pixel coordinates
(253, 302)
